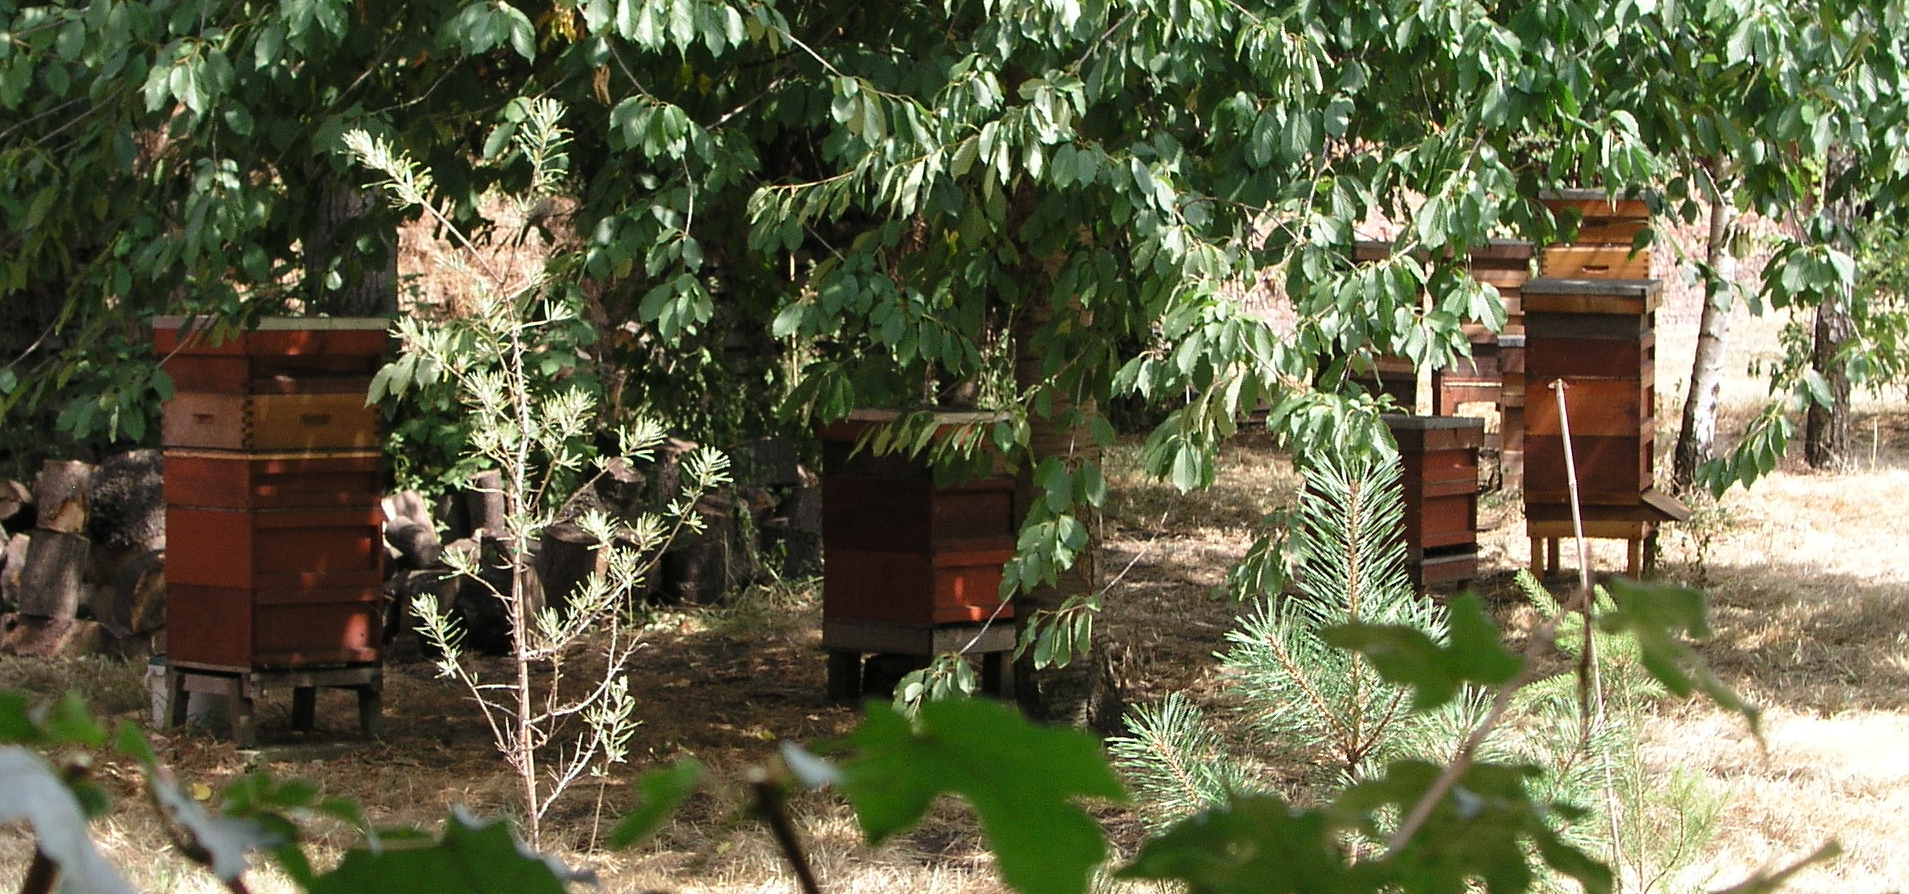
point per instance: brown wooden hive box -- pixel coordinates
(269, 422)
(898, 549)
(221, 480)
(299, 623)
(1439, 455)
(310, 350)
(1596, 262)
(229, 548)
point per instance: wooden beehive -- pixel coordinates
(1596, 337)
(1593, 340)
(897, 548)
(274, 544)
(1439, 455)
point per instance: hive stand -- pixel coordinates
(241, 691)
(1594, 338)
(910, 567)
(272, 486)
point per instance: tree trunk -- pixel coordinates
(349, 240)
(1826, 430)
(1072, 694)
(1697, 438)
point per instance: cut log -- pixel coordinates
(53, 585)
(622, 489)
(411, 546)
(60, 493)
(40, 637)
(407, 506)
(13, 566)
(135, 601)
(125, 504)
(485, 501)
(14, 497)
(565, 558)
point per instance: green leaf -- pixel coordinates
(1480, 833)
(1019, 777)
(1658, 616)
(1249, 845)
(663, 789)
(1408, 657)
(472, 858)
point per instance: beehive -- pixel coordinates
(1593, 341)
(272, 485)
(1439, 455)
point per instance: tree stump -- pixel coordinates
(484, 500)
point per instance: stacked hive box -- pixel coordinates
(1506, 265)
(1440, 480)
(909, 567)
(272, 484)
(1589, 327)
(1440, 452)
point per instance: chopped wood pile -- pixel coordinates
(88, 572)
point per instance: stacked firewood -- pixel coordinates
(89, 572)
(768, 524)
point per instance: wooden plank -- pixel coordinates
(1610, 231)
(1611, 358)
(1551, 286)
(226, 548)
(1544, 326)
(274, 336)
(902, 639)
(1595, 530)
(1594, 204)
(1607, 465)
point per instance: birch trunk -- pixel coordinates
(1697, 437)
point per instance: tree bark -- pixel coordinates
(1697, 437)
(348, 238)
(1070, 694)
(1826, 429)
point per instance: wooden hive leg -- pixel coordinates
(371, 706)
(997, 677)
(1634, 558)
(304, 708)
(845, 675)
(241, 701)
(176, 698)
(1537, 558)
(1551, 555)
